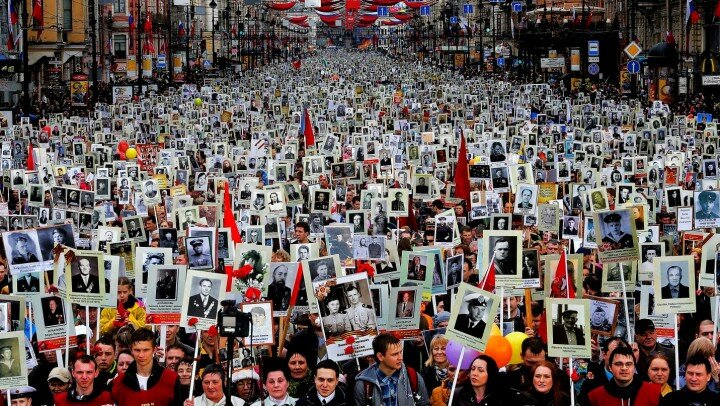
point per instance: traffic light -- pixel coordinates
(487, 25)
(241, 29)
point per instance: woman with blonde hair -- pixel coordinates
(436, 367)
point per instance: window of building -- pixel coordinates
(120, 46)
(120, 6)
(67, 15)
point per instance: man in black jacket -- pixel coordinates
(326, 391)
(696, 392)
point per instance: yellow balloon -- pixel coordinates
(495, 330)
(516, 339)
(131, 153)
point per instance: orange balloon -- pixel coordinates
(499, 349)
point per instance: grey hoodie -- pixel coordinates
(404, 390)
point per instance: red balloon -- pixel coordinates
(123, 146)
(122, 156)
(499, 349)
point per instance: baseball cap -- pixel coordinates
(61, 374)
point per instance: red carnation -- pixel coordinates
(192, 321)
(53, 289)
(243, 272)
(350, 340)
(212, 331)
(253, 294)
(349, 350)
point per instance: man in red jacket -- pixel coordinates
(84, 392)
(625, 387)
(146, 382)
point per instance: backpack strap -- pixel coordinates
(368, 393)
(412, 375)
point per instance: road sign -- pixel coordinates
(383, 11)
(500, 61)
(551, 63)
(633, 67)
(593, 48)
(593, 69)
(161, 62)
(633, 50)
(207, 63)
(453, 20)
(516, 7)
(593, 59)
(467, 8)
(425, 10)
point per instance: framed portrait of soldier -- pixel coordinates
(200, 253)
(502, 249)
(453, 272)
(405, 306)
(603, 315)
(134, 230)
(302, 252)
(619, 276)
(28, 283)
(526, 200)
(283, 283)
(254, 235)
(146, 257)
(471, 317)
(568, 328)
(357, 219)
(322, 200)
(53, 319)
(86, 273)
(530, 273)
(616, 236)
(707, 209)
(399, 202)
(422, 186)
(204, 292)
(499, 177)
(22, 251)
(674, 283)
(571, 227)
(164, 298)
(648, 252)
(13, 369)
(322, 268)
(417, 268)
(598, 199)
(292, 193)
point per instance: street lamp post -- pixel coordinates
(213, 6)
(93, 38)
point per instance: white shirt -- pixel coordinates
(327, 399)
(202, 400)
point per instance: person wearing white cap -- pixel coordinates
(21, 396)
(246, 383)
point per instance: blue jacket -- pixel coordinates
(404, 390)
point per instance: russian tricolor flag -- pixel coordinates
(692, 15)
(181, 29)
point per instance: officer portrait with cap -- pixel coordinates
(614, 235)
(23, 249)
(198, 258)
(599, 320)
(21, 396)
(705, 205)
(472, 322)
(565, 331)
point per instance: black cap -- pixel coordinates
(612, 218)
(706, 196)
(644, 325)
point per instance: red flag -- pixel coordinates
(37, 13)
(462, 173)
(296, 288)
(10, 42)
(229, 218)
(563, 281)
(542, 328)
(717, 9)
(488, 282)
(306, 129)
(147, 27)
(410, 220)
(31, 158)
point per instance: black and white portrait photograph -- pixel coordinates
(502, 222)
(323, 268)
(134, 230)
(707, 209)
(526, 201)
(199, 253)
(13, 369)
(282, 279)
(472, 315)
(398, 202)
(254, 235)
(568, 327)
(28, 283)
(571, 227)
(262, 323)
(616, 235)
(674, 279)
(338, 240)
(502, 249)
(453, 271)
(530, 267)
(322, 200)
(53, 311)
(603, 316)
(204, 292)
(84, 275)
